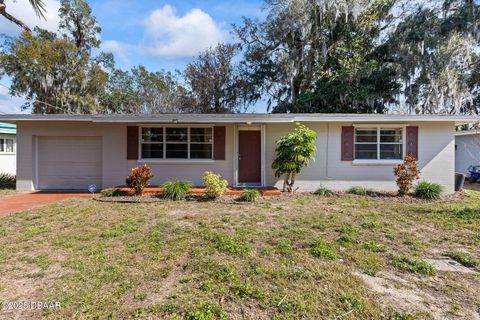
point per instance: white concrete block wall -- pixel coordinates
(436, 159)
(436, 156)
(8, 163)
(115, 166)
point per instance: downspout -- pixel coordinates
(326, 151)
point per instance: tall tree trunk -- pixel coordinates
(11, 18)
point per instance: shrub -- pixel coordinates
(359, 191)
(406, 173)
(249, 195)
(113, 192)
(214, 186)
(324, 192)
(139, 178)
(176, 189)
(427, 190)
(405, 263)
(323, 249)
(7, 181)
(293, 152)
(463, 257)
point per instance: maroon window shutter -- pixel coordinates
(412, 141)
(219, 143)
(347, 143)
(132, 143)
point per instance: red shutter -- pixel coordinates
(412, 141)
(347, 143)
(132, 143)
(219, 143)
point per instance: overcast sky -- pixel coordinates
(157, 34)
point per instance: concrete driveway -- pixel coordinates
(28, 201)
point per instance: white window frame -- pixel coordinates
(5, 138)
(174, 160)
(379, 161)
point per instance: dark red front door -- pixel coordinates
(249, 157)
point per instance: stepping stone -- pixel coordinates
(449, 265)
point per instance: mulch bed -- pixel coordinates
(388, 197)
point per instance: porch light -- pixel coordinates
(249, 123)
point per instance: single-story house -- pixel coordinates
(8, 148)
(74, 151)
(467, 149)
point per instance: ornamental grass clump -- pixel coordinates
(215, 186)
(427, 190)
(249, 195)
(139, 178)
(406, 173)
(176, 189)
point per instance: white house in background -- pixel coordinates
(8, 148)
(73, 151)
(467, 149)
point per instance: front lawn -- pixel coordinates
(305, 256)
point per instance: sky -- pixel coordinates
(161, 35)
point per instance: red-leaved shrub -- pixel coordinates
(139, 178)
(406, 173)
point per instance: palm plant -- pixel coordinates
(37, 5)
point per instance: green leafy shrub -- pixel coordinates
(293, 152)
(249, 195)
(7, 181)
(139, 178)
(412, 265)
(324, 192)
(215, 186)
(113, 192)
(463, 257)
(323, 249)
(358, 190)
(427, 190)
(176, 189)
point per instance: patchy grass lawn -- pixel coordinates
(306, 256)
(7, 192)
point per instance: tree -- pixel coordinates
(58, 75)
(214, 81)
(435, 49)
(294, 151)
(79, 25)
(142, 91)
(37, 5)
(318, 56)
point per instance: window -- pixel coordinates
(7, 145)
(177, 143)
(378, 143)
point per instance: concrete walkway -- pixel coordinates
(28, 201)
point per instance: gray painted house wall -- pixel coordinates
(436, 156)
(467, 151)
